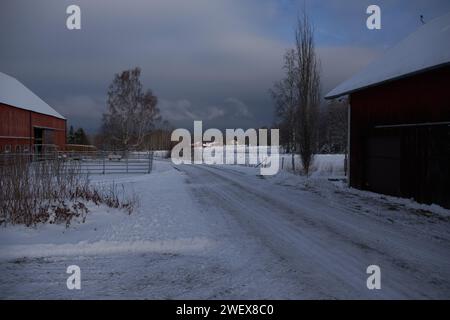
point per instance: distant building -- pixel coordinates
(400, 118)
(26, 122)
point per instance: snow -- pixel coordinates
(103, 247)
(426, 48)
(323, 164)
(15, 94)
(225, 232)
(156, 153)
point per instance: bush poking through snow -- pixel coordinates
(53, 192)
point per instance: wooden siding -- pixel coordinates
(382, 147)
(16, 127)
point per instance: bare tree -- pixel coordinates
(337, 123)
(338, 127)
(131, 114)
(308, 91)
(160, 137)
(297, 96)
(285, 96)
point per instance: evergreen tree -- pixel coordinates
(80, 137)
(71, 136)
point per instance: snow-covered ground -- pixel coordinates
(323, 164)
(227, 232)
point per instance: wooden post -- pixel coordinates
(149, 161)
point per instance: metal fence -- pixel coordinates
(92, 162)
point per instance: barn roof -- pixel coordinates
(15, 94)
(425, 49)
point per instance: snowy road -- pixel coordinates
(226, 232)
(326, 245)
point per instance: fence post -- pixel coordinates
(127, 162)
(150, 161)
(104, 159)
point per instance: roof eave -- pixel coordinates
(58, 116)
(406, 75)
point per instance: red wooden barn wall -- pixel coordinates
(421, 98)
(16, 127)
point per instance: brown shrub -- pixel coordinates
(53, 191)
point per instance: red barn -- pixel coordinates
(399, 112)
(26, 122)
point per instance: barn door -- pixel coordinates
(425, 163)
(383, 161)
(410, 161)
(439, 165)
(48, 137)
(38, 139)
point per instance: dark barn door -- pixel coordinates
(410, 161)
(439, 165)
(38, 139)
(382, 169)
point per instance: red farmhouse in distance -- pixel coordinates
(399, 131)
(27, 124)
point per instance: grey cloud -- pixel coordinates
(240, 108)
(340, 63)
(81, 110)
(179, 111)
(194, 54)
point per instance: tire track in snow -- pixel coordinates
(334, 260)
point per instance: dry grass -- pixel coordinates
(52, 191)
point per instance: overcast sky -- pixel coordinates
(210, 60)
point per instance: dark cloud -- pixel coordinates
(205, 60)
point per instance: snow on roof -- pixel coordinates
(426, 48)
(15, 94)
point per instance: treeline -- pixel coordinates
(77, 136)
(332, 127)
(157, 139)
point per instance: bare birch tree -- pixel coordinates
(132, 112)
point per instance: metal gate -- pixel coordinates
(103, 162)
(96, 162)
